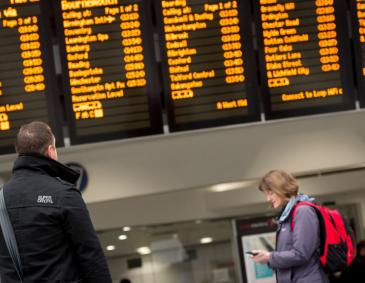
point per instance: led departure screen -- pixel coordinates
(208, 63)
(358, 9)
(24, 82)
(304, 54)
(110, 74)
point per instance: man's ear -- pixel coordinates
(51, 152)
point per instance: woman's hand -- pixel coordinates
(261, 256)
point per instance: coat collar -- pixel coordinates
(285, 213)
(37, 162)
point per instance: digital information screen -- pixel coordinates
(25, 68)
(208, 63)
(255, 234)
(358, 17)
(110, 86)
(305, 54)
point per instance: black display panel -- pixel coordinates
(26, 71)
(305, 58)
(109, 71)
(358, 21)
(208, 63)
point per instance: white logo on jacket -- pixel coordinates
(45, 199)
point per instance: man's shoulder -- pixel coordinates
(38, 185)
(54, 184)
(65, 189)
(65, 184)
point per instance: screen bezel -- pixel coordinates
(250, 74)
(348, 101)
(155, 112)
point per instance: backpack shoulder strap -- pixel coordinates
(9, 236)
(294, 212)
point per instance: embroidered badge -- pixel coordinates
(45, 199)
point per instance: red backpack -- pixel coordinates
(337, 238)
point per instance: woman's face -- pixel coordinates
(274, 199)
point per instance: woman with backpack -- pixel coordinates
(296, 258)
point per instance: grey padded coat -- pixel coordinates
(296, 259)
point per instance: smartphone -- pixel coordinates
(251, 253)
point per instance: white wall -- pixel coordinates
(189, 160)
(119, 171)
(204, 203)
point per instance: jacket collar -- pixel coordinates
(45, 165)
(285, 213)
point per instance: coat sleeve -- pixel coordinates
(306, 240)
(85, 243)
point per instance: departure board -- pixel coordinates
(358, 21)
(110, 75)
(208, 62)
(304, 54)
(25, 71)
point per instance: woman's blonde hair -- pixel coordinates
(280, 182)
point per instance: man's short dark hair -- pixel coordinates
(34, 137)
(125, 280)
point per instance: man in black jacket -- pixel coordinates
(55, 236)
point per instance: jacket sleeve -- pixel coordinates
(306, 240)
(85, 243)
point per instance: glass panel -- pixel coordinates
(189, 252)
